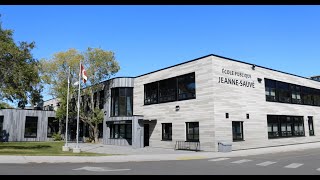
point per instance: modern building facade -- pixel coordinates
(214, 99)
(209, 100)
(27, 125)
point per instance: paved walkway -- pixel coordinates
(146, 154)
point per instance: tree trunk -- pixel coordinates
(96, 133)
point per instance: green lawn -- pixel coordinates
(39, 149)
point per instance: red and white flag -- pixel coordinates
(84, 74)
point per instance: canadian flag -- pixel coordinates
(83, 74)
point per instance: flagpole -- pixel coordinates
(66, 148)
(77, 149)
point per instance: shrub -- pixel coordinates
(56, 137)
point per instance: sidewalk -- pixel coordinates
(148, 154)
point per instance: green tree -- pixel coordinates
(4, 105)
(54, 73)
(100, 66)
(20, 81)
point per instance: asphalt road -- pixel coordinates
(290, 163)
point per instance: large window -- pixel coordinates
(31, 127)
(270, 90)
(307, 96)
(277, 91)
(53, 126)
(174, 89)
(168, 90)
(166, 131)
(121, 131)
(285, 126)
(283, 92)
(296, 94)
(186, 87)
(101, 99)
(316, 97)
(310, 124)
(192, 131)
(151, 93)
(237, 130)
(100, 128)
(121, 101)
(1, 124)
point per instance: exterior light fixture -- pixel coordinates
(259, 80)
(253, 67)
(177, 108)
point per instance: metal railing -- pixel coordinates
(187, 145)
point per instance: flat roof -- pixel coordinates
(226, 59)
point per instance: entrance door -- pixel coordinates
(146, 134)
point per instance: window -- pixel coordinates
(310, 124)
(173, 89)
(100, 128)
(95, 99)
(316, 97)
(298, 127)
(121, 131)
(186, 87)
(1, 124)
(273, 126)
(277, 91)
(101, 99)
(167, 90)
(283, 92)
(295, 94)
(307, 96)
(151, 93)
(192, 131)
(31, 127)
(237, 130)
(285, 126)
(53, 126)
(166, 131)
(121, 101)
(270, 86)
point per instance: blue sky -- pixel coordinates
(149, 37)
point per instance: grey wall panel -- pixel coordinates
(14, 123)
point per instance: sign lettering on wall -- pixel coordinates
(237, 82)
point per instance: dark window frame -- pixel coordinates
(182, 82)
(284, 92)
(193, 134)
(308, 96)
(101, 99)
(168, 90)
(310, 122)
(116, 128)
(270, 88)
(285, 126)
(116, 108)
(34, 129)
(166, 131)
(296, 94)
(151, 93)
(237, 136)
